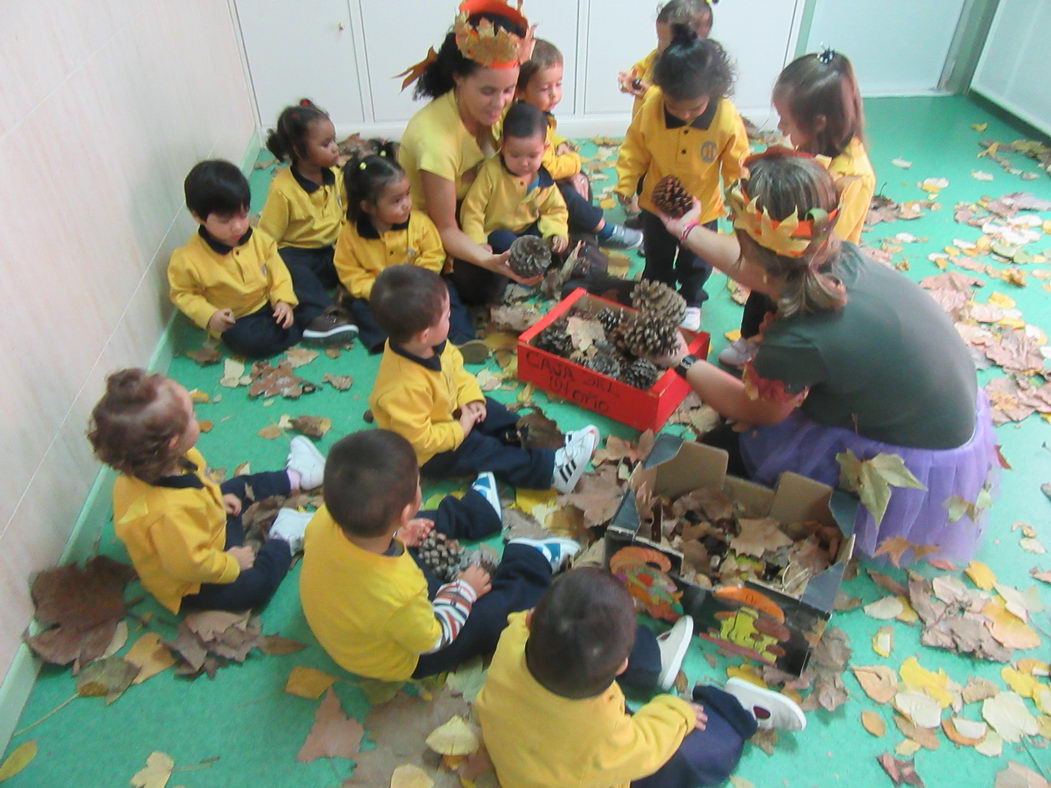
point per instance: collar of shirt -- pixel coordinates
(701, 122)
(543, 178)
(433, 363)
(217, 246)
(327, 176)
(188, 480)
(366, 229)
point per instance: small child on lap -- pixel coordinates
(552, 714)
(423, 393)
(183, 531)
(373, 607)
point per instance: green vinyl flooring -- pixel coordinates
(253, 730)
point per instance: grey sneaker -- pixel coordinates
(738, 353)
(623, 238)
(330, 327)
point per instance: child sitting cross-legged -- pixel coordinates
(552, 714)
(371, 604)
(423, 393)
(514, 194)
(183, 531)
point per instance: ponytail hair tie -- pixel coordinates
(383, 152)
(306, 102)
(362, 166)
(827, 55)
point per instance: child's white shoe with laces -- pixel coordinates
(290, 526)
(305, 459)
(572, 459)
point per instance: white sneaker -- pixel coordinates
(573, 435)
(738, 353)
(673, 645)
(305, 459)
(290, 526)
(485, 485)
(572, 460)
(692, 319)
(770, 709)
(556, 550)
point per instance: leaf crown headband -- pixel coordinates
(789, 237)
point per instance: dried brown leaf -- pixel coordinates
(334, 735)
(338, 382)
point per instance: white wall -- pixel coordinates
(104, 106)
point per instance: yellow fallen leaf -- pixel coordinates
(879, 681)
(1022, 683)
(206, 426)
(608, 204)
(740, 782)
(883, 641)
(308, 682)
(199, 397)
(409, 776)
(907, 615)
(456, 737)
(1034, 667)
(18, 759)
(746, 672)
(967, 733)
(734, 335)
(907, 748)
(873, 723)
(979, 127)
(150, 655)
(157, 772)
(527, 500)
(917, 677)
(501, 340)
(1008, 629)
(1043, 724)
(981, 575)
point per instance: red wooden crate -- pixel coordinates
(643, 410)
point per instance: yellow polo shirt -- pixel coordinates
(437, 141)
(299, 212)
(499, 200)
(559, 166)
(856, 183)
(205, 276)
(175, 532)
(658, 144)
(362, 253)
(415, 397)
(369, 612)
(644, 71)
(537, 739)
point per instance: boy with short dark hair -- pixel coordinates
(552, 714)
(513, 194)
(229, 278)
(374, 608)
(423, 393)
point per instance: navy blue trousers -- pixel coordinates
(493, 446)
(259, 336)
(373, 337)
(479, 286)
(670, 263)
(584, 215)
(311, 269)
(518, 583)
(253, 587)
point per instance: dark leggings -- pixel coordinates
(755, 310)
(668, 262)
(253, 587)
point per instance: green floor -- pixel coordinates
(253, 730)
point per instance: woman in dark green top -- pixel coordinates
(858, 358)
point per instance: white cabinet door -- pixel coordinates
(298, 50)
(898, 47)
(1014, 61)
(556, 21)
(619, 34)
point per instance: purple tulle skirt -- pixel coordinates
(921, 516)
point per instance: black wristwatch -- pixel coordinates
(684, 365)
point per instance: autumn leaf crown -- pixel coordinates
(486, 45)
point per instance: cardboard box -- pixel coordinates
(675, 467)
(643, 410)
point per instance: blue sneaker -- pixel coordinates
(557, 551)
(485, 485)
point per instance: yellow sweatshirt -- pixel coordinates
(856, 182)
(658, 144)
(362, 253)
(369, 612)
(205, 276)
(175, 532)
(559, 166)
(644, 71)
(299, 212)
(415, 397)
(537, 739)
(498, 200)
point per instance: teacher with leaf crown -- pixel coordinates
(860, 378)
(471, 82)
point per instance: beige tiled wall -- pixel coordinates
(104, 106)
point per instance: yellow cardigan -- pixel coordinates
(362, 253)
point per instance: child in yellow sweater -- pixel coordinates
(423, 393)
(383, 229)
(540, 84)
(514, 194)
(820, 109)
(374, 607)
(688, 128)
(183, 531)
(553, 715)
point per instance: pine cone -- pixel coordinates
(656, 298)
(530, 256)
(610, 318)
(605, 363)
(651, 336)
(555, 339)
(619, 335)
(442, 555)
(642, 374)
(671, 197)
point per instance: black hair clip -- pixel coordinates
(827, 55)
